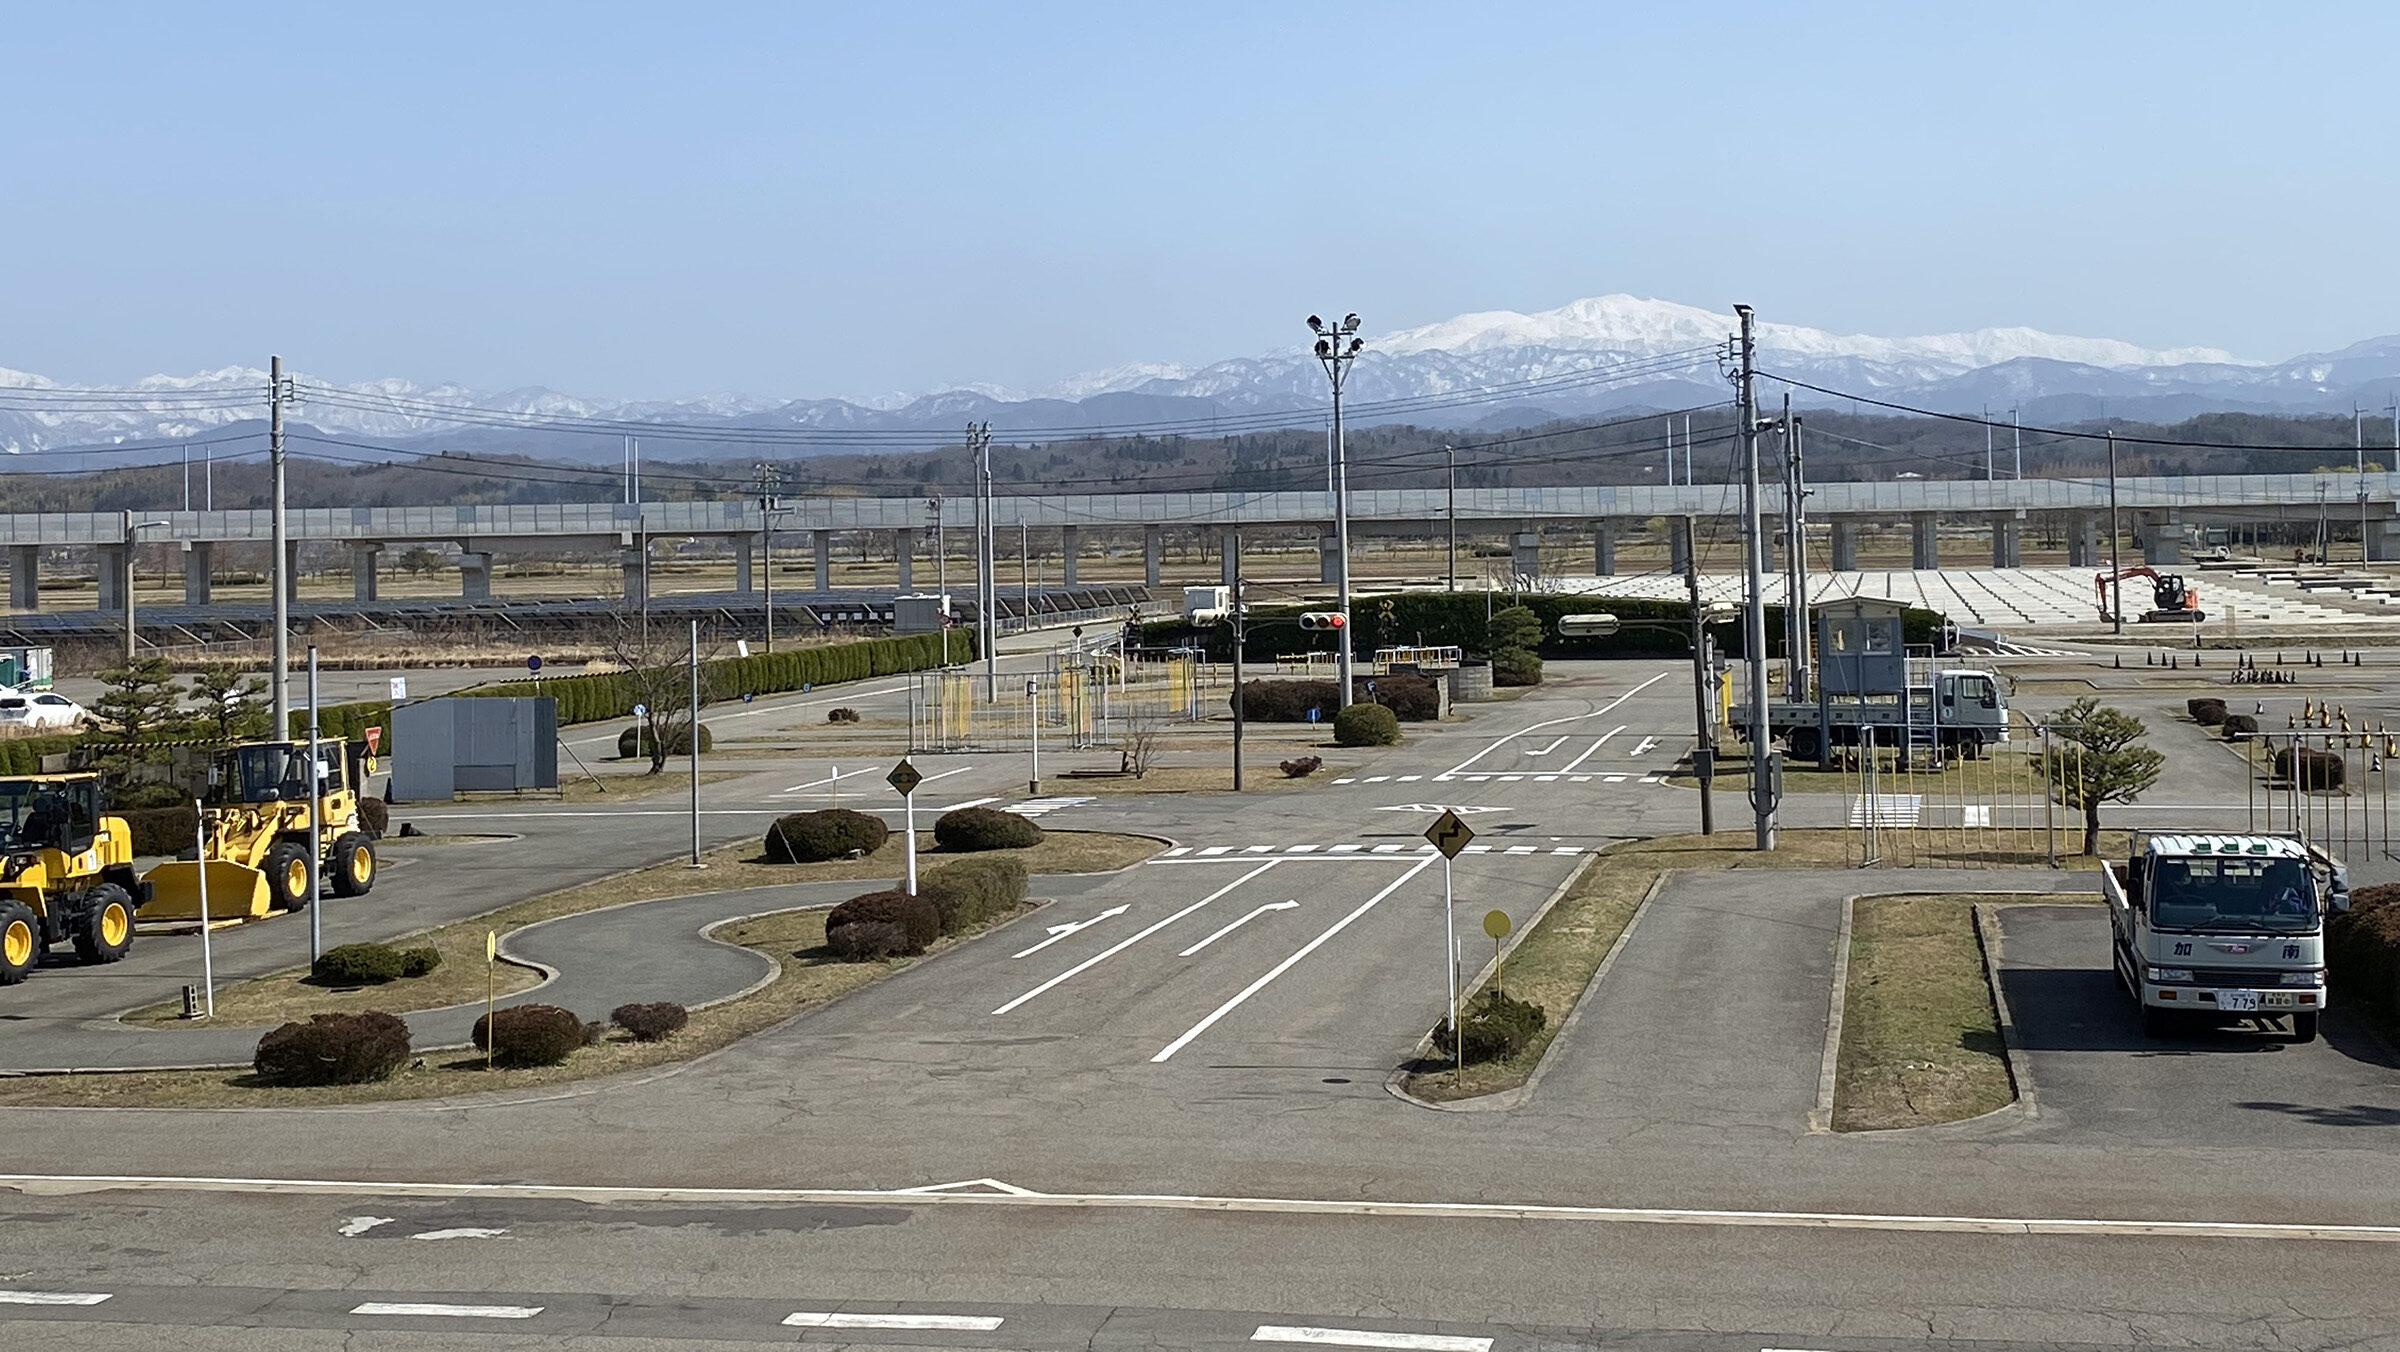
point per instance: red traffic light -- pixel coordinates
(1324, 619)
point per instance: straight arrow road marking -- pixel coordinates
(418, 1309)
(1323, 1337)
(1553, 722)
(1562, 741)
(1270, 906)
(1589, 751)
(1105, 954)
(1058, 932)
(1288, 963)
(953, 1323)
(1644, 748)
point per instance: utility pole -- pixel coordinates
(1704, 728)
(1670, 452)
(987, 592)
(1337, 347)
(2016, 424)
(1687, 450)
(2116, 565)
(1240, 630)
(1987, 443)
(1795, 563)
(279, 570)
(2358, 431)
(770, 486)
(1450, 455)
(1762, 788)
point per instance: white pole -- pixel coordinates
(692, 735)
(208, 966)
(316, 820)
(911, 800)
(1033, 722)
(1458, 1040)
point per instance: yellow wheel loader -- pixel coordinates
(66, 873)
(255, 832)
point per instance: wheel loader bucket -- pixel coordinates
(235, 891)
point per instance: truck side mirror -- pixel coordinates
(2338, 902)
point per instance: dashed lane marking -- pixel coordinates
(1412, 1342)
(410, 1309)
(1035, 807)
(943, 1323)
(461, 1232)
(54, 1297)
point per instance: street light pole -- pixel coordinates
(2116, 568)
(1337, 347)
(1704, 739)
(278, 569)
(1762, 788)
(133, 530)
(1450, 455)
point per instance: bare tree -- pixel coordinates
(656, 661)
(1137, 743)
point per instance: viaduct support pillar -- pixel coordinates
(2383, 540)
(24, 577)
(1679, 547)
(1525, 553)
(363, 559)
(904, 557)
(1925, 541)
(112, 577)
(1069, 540)
(823, 542)
(1151, 548)
(2162, 539)
(1329, 559)
(1604, 549)
(2083, 541)
(743, 581)
(197, 573)
(475, 576)
(2005, 551)
(1845, 544)
(1226, 554)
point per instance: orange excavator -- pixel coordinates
(2174, 603)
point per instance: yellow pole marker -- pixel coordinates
(491, 992)
(1495, 924)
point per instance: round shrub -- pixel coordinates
(635, 741)
(845, 714)
(888, 924)
(357, 965)
(1516, 666)
(834, 833)
(2239, 725)
(529, 1035)
(1412, 699)
(333, 1049)
(967, 829)
(2208, 713)
(973, 892)
(1301, 767)
(419, 961)
(374, 817)
(1366, 725)
(1497, 1026)
(653, 1022)
(2316, 769)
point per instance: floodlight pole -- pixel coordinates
(2116, 580)
(1450, 455)
(277, 569)
(1337, 347)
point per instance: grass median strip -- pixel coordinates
(289, 994)
(1921, 1038)
(1555, 963)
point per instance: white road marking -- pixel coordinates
(1562, 741)
(359, 1225)
(462, 1232)
(1442, 778)
(1385, 849)
(1976, 815)
(1579, 779)
(1218, 849)
(1301, 849)
(54, 1297)
(1438, 807)
(1553, 722)
(1614, 779)
(1257, 849)
(414, 1309)
(1288, 963)
(1345, 781)
(1270, 906)
(1594, 747)
(1644, 748)
(952, 1323)
(1479, 849)
(1321, 1337)
(1568, 849)
(1375, 779)
(1341, 849)
(1105, 954)
(991, 1192)
(972, 802)
(1519, 849)
(1512, 779)
(1545, 779)
(1179, 851)
(1058, 932)
(1408, 779)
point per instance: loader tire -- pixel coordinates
(352, 864)
(20, 942)
(286, 868)
(106, 930)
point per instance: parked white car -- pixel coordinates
(39, 710)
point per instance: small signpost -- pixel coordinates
(1496, 924)
(491, 994)
(1451, 834)
(399, 689)
(905, 778)
(534, 664)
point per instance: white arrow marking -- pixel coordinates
(1436, 807)
(1122, 944)
(359, 1225)
(1058, 932)
(1592, 749)
(1270, 906)
(1647, 743)
(1562, 741)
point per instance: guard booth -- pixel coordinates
(443, 746)
(1862, 668)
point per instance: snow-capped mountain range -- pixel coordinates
(1487, 369)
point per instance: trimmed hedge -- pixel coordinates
(1412, 699)
(2208, 713)
(888, 924)
(529, 1035)
(968, 829)
(1497, 1025)
(635, 741)
(333, 1049)
(1366, 725)
(971, 893)
(2317, 769)
(654, 1022)
(830, 833)
(23, 755)
(419, 961)
(359, 965)
(2362, 950)
(162, 830)
(2237, 725)
(605, 695)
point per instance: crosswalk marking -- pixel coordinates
(1889, 809)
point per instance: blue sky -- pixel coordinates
(650, 201)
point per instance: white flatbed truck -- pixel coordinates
(2223, 928)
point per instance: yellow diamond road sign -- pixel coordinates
(1449, 834)
(905, 778)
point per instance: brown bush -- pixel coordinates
(529, 1035)
(2208, 713)
(1301, 767)
(833, 833)
(966, 829)
(2240, 725)
(2317, 769)
(654, 1022)
(333, 1049)
(915, 918)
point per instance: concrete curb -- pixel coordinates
(1820, 1118)
(1989, 937)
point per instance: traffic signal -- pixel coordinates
(1324, 619)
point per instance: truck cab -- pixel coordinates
(2223, 928)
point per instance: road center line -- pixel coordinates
(1105, 954)
(992, 1192)
(957, 1323)
(1592, 750)
(1322, 1337)
(53, 1297)
(1270, 906)
(1288, 963)
(420, 1309)
(1553, 722)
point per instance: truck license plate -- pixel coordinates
(2237, 1000)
